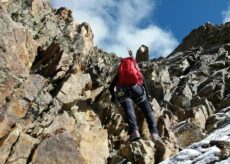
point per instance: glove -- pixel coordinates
(130, 52)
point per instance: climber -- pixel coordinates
(130, 86)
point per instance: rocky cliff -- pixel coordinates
(55, 105)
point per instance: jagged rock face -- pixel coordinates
(101, 66)
(17, 50)
(59, 148)
(205, 36)
(55, 106)
(47, 108)
(50, 25)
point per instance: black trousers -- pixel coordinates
(137, 94)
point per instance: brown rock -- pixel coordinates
(165, 123)
(52, 62)
(18, 50)
(187, 133)
(39, 7)
(6, 125)
(142, 54)
(58, 149)
(86, 33)
(92, 138)
(22, 149)
(182, 97)
(164, 150)
(139, 152)
(64, 14)
(19, 103)
(73, 88)
(159, 82)
(61, 122)
(7, 144)
(199, 116)
(4, 1)
(17, 108)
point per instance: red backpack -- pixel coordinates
(129, 73)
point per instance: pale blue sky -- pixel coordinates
(159, 24)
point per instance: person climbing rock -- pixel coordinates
(130, 86)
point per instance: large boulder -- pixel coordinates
(73, 89)
(142, 54)
(58, 148)
(139, 152)
(187, 133)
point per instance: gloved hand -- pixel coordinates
(113, 99)
(130, 52)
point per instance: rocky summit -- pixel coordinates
(55, 105)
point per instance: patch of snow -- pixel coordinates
(198, 144)
(211, 155)
(201, 153)
(187, 154)
(220, 134)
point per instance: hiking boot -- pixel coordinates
(155, 137)
(134, 136)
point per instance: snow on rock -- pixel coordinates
(214, 148)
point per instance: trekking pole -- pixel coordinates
(130, 52)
